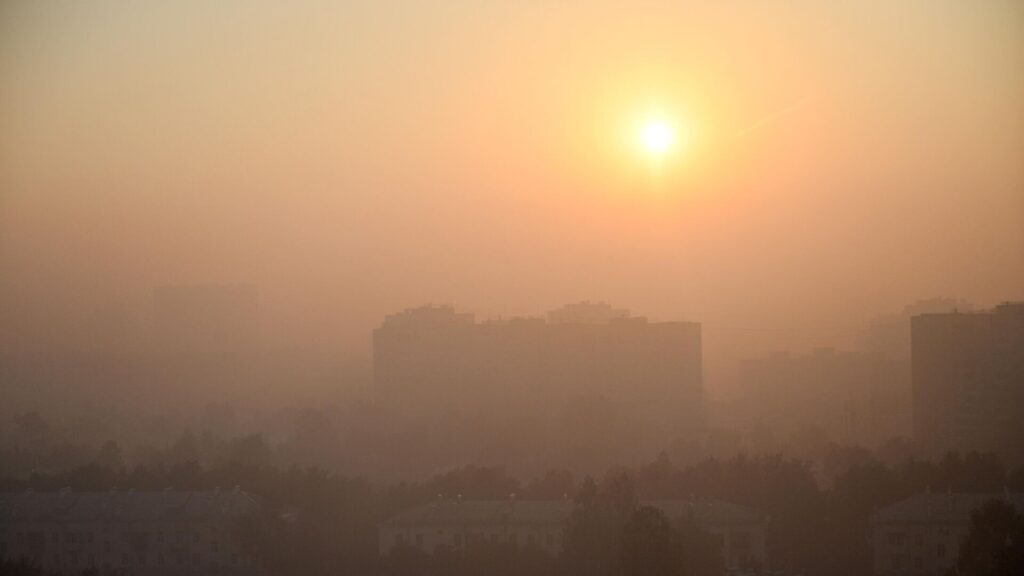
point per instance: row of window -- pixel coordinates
(195, 559)
(741, 540)
(896, 563)
(941, 557)
(531, 539)
(900, 538)
(135, 539)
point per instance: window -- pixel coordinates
(196, 558)
(918, 563)
(741, 540)
(458, 539)
(551, 540)
(940, 550)
(214, 546)
(513, 539)
(419, 540)
(234, 558)
(897, 538)
(531, 540)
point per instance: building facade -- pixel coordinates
(131, 533)
(851, 397)
(457, 524)
(541, 524)
(968, 380)
(921, 536)
(437, 356)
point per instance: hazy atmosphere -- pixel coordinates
(213, 215)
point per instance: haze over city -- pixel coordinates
(447, 246)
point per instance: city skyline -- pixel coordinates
(352, 160)
(511, 288)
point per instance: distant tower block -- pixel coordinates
(436, 356)
(968, 380)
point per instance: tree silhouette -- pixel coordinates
(649, 547)
(995, 544)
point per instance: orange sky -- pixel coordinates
(357, 158)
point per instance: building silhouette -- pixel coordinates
(434, 356)
(850, 396)
(968, 380)
(922, 534)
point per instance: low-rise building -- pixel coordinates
(921, 536)
(127, 532)
(456, 524)
(541, 524)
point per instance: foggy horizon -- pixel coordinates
(641, 260)
(346, 175)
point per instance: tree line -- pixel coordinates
(319, 522)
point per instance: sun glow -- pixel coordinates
(657, 137)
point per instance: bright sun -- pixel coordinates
(656, 137)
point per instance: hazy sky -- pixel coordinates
(355, 158)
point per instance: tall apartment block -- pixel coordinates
(968, 380)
